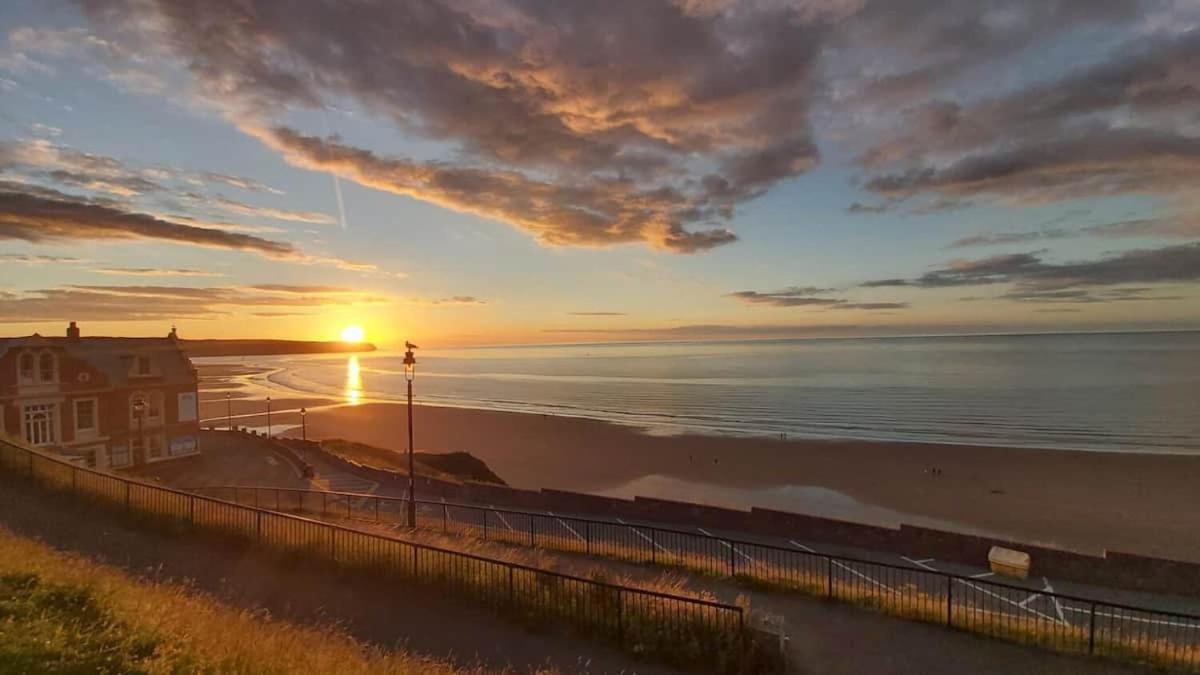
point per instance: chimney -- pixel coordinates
(72, 331)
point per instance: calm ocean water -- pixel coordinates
(1113, 392)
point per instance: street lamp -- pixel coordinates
(268, 417)
(139, 407)
(228, 411)
(303, 425)
(410, 371)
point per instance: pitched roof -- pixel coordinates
(113, 355)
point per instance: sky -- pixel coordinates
(460, 172)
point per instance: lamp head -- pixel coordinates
(303, 412)
(410, 362)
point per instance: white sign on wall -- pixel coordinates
(187, 407)
(183, 445)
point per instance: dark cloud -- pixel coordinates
(1034, 279)
(594, 213)
(1168, 227)
(700, 109)
(26, 259)
(38, 218)
(154, 272)
(1123, 125)
(808, 296)
(141, 303)
(858, 207)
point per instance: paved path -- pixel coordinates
(383, 614)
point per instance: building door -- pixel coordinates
(39, 424)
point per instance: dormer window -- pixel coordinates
(26, 367)
(46, 367)
(143, 365)
(39, 367)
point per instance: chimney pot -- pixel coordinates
(73, 331)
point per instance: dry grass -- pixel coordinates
(174, 628)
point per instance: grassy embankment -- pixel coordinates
(65, 613)
(450, 466)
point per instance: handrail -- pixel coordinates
(713, 537)
(670, 622)
(990, 607)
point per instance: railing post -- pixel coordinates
(324, 503)
(532, 542)
(74, 478)
(732, 562)
(587, 536)
(485, 524)
(828, 576)
(192, 511)
(127, 496)
(949, 601)
(512, 591)
(258, 525)
(377, 509)
(620, 618)
(445, 517)
(1092, 631)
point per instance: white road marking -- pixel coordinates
(861, 575)
(501, 515)
(921, 563)
(1031, 598)
(564, 524)
(1003, 599)
(800, 546)
(1057, 605)
(1126, 617)
(724, 543)
(638, 533)
(982, 575)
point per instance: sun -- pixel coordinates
(353, 334)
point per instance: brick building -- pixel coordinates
(78, 395)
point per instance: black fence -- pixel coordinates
(676, 629)
(1056, 621)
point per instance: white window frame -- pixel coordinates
(114, 455)
(49, 425)
(86, 431)
(53, 367)
(33, 372)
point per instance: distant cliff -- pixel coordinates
(266, 347)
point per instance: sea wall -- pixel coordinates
(1111, 569)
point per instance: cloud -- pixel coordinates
(699, 109)
(25, 259)
(1123, 125)
(144, 303)
(1035, 279)
(598, 213)
(154, 272)
(808, 296)
(452, 300)
(39, 158)
(1169, 227)
(597, 314)
(38, 218)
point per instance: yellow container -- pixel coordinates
(1009, 563)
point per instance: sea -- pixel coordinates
(1115, 392)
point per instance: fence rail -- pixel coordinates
(676, 629)
(1058, 621)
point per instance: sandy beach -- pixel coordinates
(1090, 501)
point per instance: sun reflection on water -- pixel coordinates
(353, 381)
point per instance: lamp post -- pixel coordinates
(139, 408)
(228, 411)
(268, 417)
(303, 425)
(410, 371)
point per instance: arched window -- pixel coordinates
(26, 367)
(46, 368)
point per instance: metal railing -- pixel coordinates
(676, 629)
(1057, 621)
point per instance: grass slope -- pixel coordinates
(461, 466)
(65, 613)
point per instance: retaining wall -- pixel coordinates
(1112, 569)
